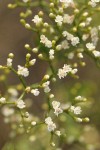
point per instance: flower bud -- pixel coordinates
(40, 14)
(27, 46)
(27, 26)
(51, 15)
(40, 56)
(51, 96)
(11, 55)
(28, 55)
(35, 50)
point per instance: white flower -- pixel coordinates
(80, 98)
(35, 92)
(58, 111)
(37, 20)
(6, 111)
(58, 133)
(48, 44)
(59, 20)
(88, 21)
(57, 108)
(9, 62)
(45, 85)
(44, 40)
(2, 100)
(47, 89)
(65, 44)
(96, 53)
(61, 73)
(67, 68)
(68, 19)
(48, 120)
(25, 1)
(93, 3)
(33, 123)
(20, 104)
(75, 41)
(76, 110)
(70, 37)
(23, 71)
(64, 33)
(51, 54)
(51, 126)
(90, 46)
(85, 37)
(94, 35)
(55, 104)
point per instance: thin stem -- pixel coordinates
(20, 78)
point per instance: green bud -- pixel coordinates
(22, 21)
(41, 14)
(27, 26)
(35, 50)
(11, 55)
(27, 46)
(28, 55)
(51, 15)
(51, 5)
(11, 6)
(40, 56)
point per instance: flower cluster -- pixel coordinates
(23, 71)
(93, 3)
(76, 110)
(65, 70)
(51, 126)
(57, 108)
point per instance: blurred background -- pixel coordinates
(13, 37)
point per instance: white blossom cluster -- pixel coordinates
(20, 104)
(76, 110)
(93, 3)
(65, 70)
(64, 19)
(91, 47)
(2, 100)
(23, 71)
(51, 126)
(46, 87)
(45, 41)
(37, 20)
(35, 92)
(74, 40)
(57, 108)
